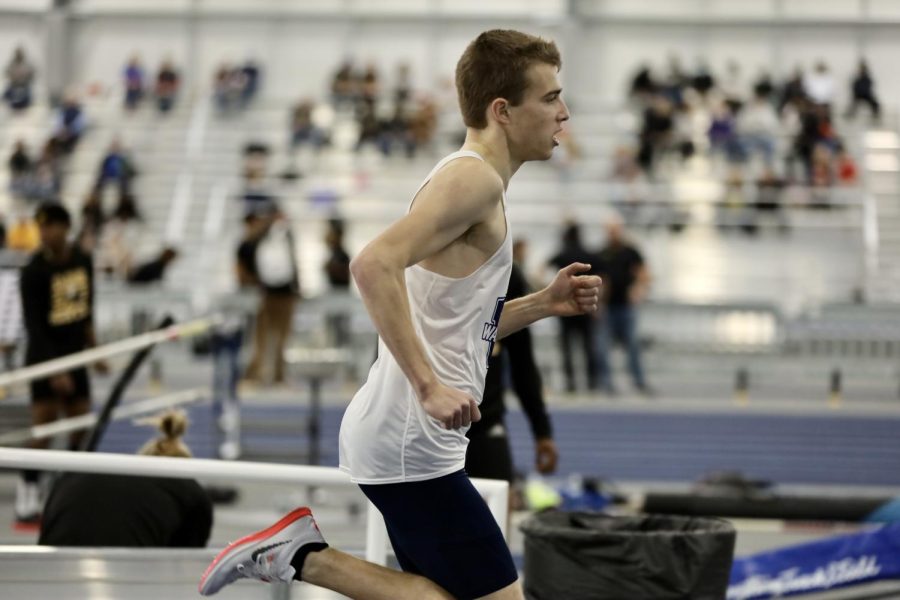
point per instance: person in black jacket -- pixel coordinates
(87, 509)
(57, 290)
(488, 455)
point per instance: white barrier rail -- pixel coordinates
(84, 421)
(494, 492)
(138, 342)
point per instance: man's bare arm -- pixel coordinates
(570, 293)
(459, 197)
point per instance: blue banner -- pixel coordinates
(823, 565)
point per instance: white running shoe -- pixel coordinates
(265, 555)
(28, 502)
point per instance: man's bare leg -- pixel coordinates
(362, 580)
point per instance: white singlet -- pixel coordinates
(386, 435)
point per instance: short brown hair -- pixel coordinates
(494, 65)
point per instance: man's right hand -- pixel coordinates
(62, 384)
(453, 408)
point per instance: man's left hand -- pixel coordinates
(573, 293)
(546, 455)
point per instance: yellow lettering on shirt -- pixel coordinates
(69, 297)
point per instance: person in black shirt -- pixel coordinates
(580, 326)
(863, 91)
(625, 281)
(87, 509)
(488, 454)
(58, 307)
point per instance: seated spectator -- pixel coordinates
(117, 168)
(70, 124)
(154, 270)
(863, 91)
(19, 75)
(167, 83)
(20, 166)
(344, 86)
(758, 128)
(642, 86)
(134, 83)
(303, 129)
(251, 76)
(87, 509)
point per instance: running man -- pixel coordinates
(434, 284)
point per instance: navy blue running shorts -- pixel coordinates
(443, 530)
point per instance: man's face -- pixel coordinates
(53, 235)
(537, 121)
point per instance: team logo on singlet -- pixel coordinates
(489, 331)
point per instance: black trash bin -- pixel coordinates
(590, 556)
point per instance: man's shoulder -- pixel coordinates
(470, 173)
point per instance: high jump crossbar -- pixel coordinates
(495, 492)
(79, 359)
(84, 421)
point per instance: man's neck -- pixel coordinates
(491, 144)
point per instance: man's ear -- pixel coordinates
(498, 110)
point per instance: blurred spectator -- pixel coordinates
(20, 167)
(57, 290)
(625, 283)
(19, 75)
(337, 271)
(723, 137)
(793, 92)
(2, 236)
(656, 132)
(758, 128)
(265, 260)
(337, 267)
(87, 509)
(116, 168)
(642, 85)
(92, 219)
(167, 83)
(154, 270)
(228, 87)
(251, 81)
(134, 83)
(370, 85)
(402, 87)
(581, 326)
(763, 86)
(303, 129)
(120, 238)
(256, 196)
(863, 90)
(733, 87)
(819, 85)
(44, 182)
(344, 86)
(70, 124)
